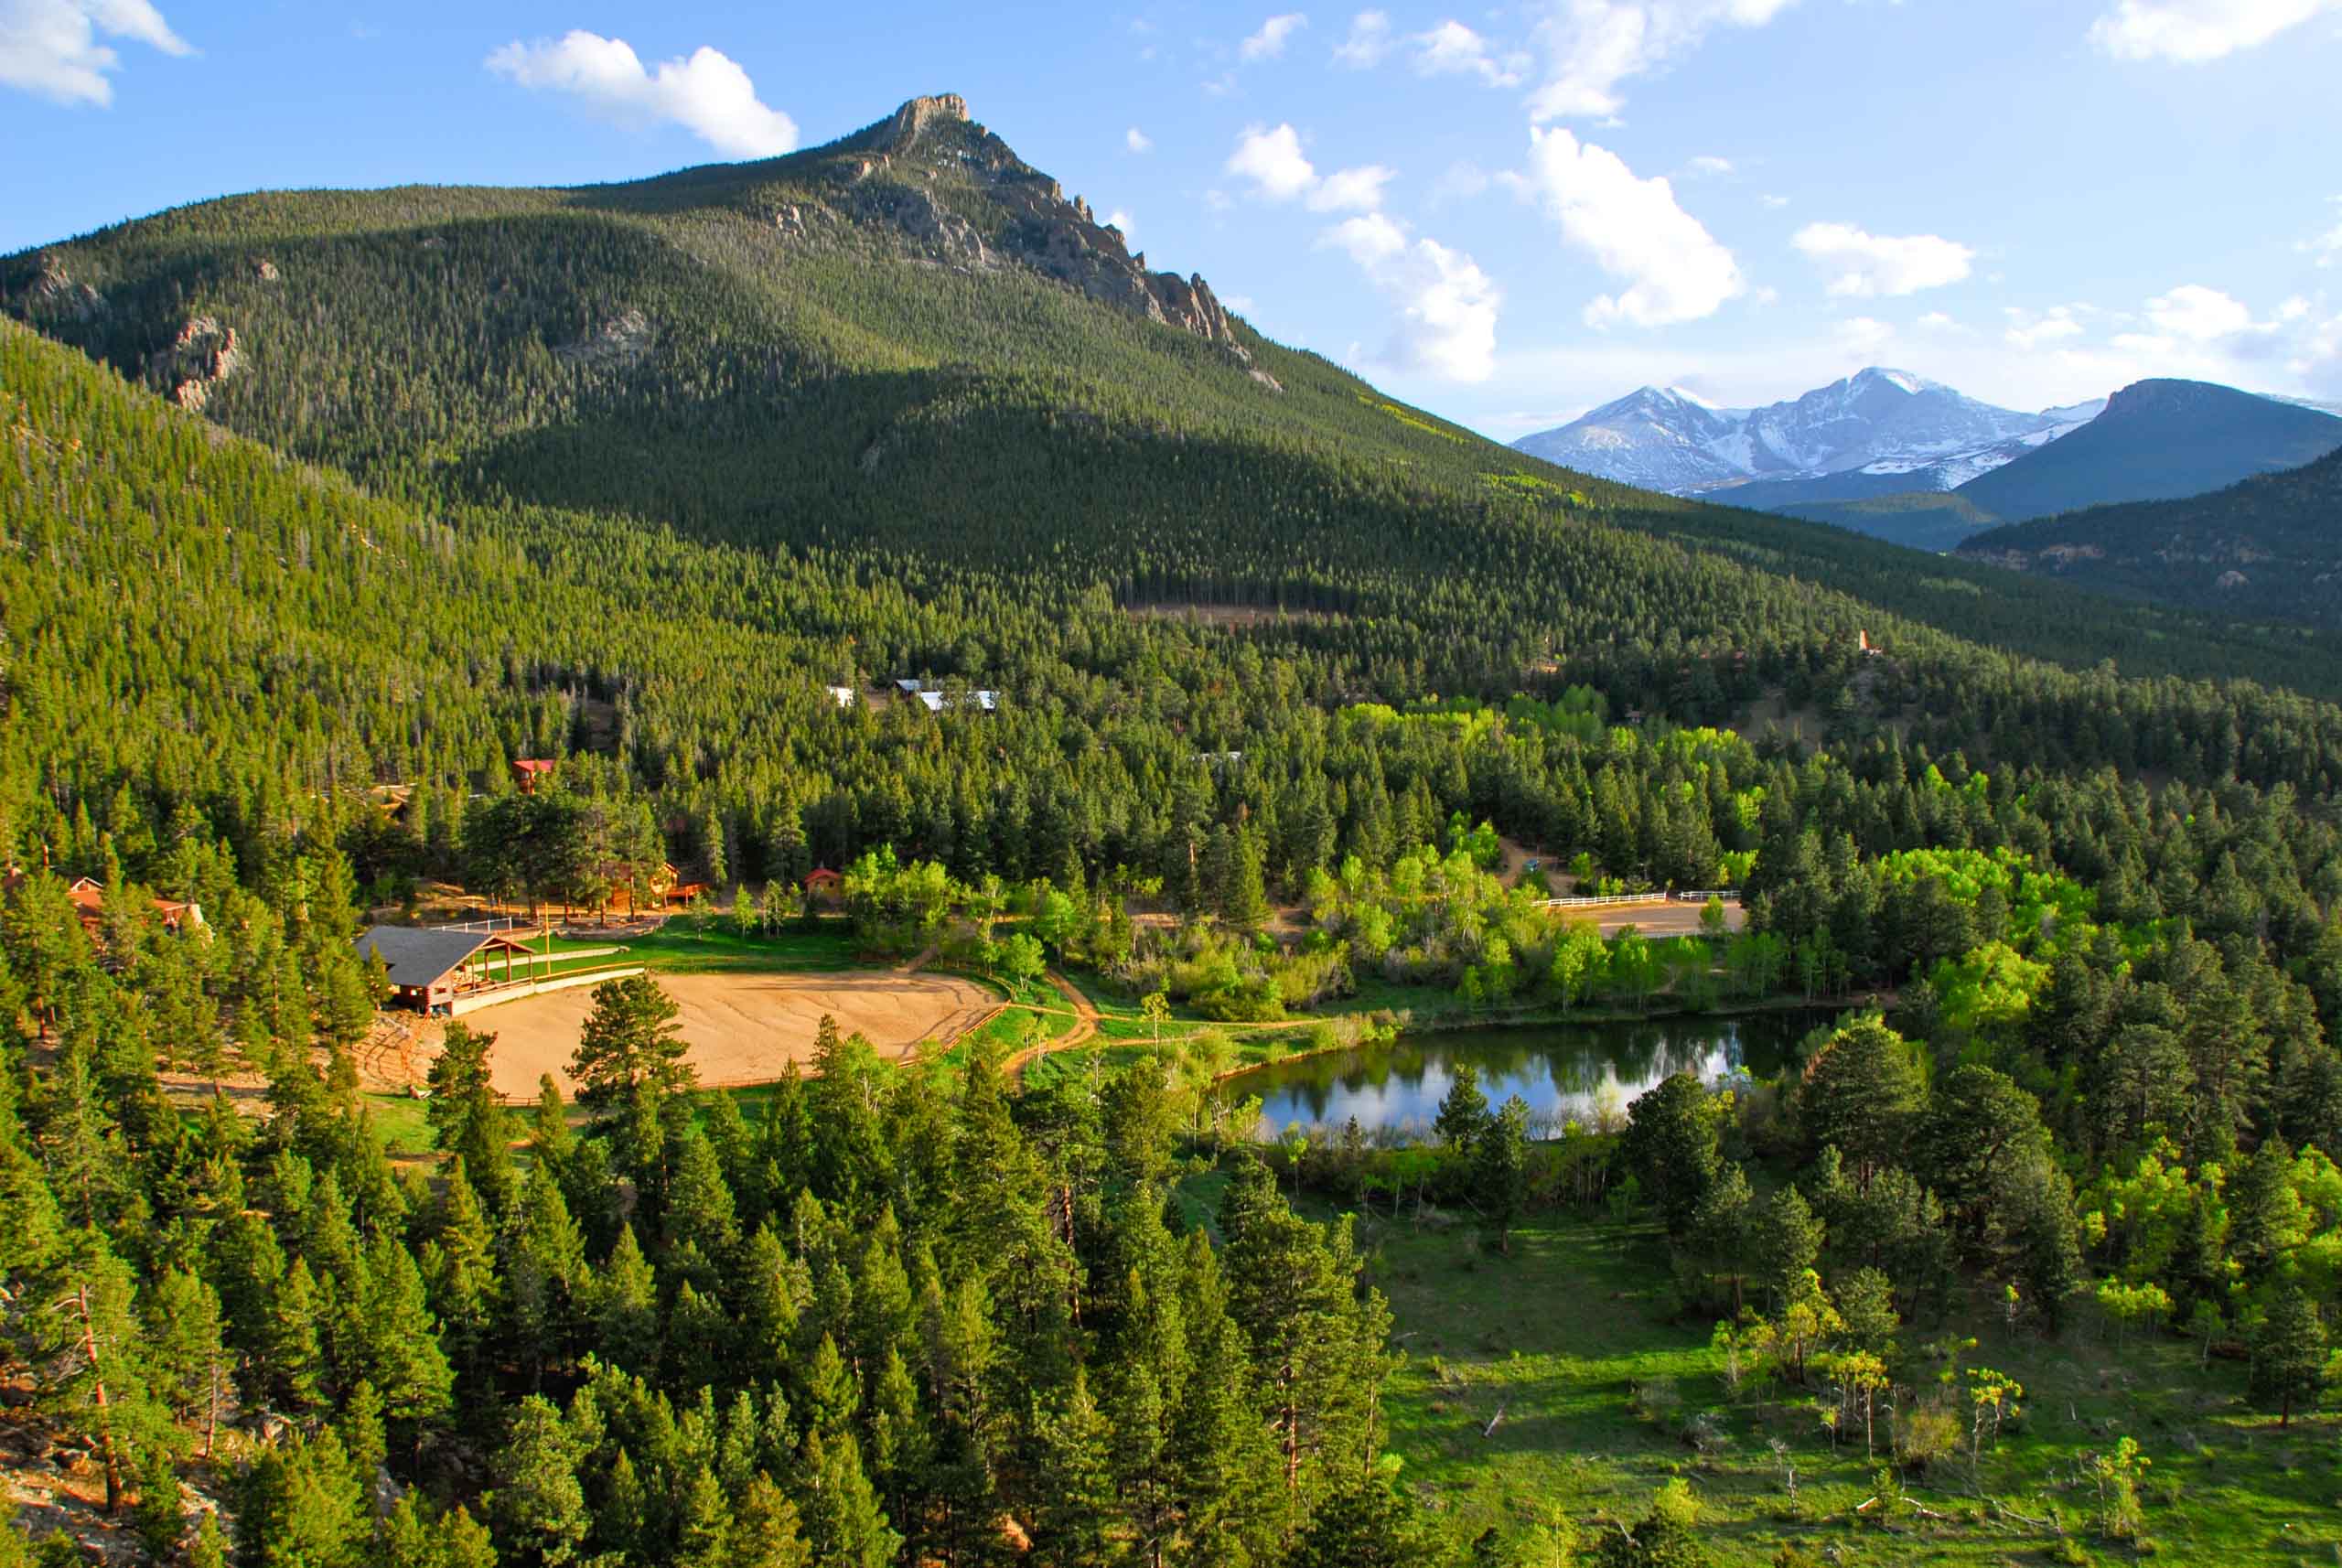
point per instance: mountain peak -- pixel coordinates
(1901, 381)
(906, 124)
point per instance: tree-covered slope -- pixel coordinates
(910, 340)
(1932, 520)
(2270, 546)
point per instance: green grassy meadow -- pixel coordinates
(1562, 1334)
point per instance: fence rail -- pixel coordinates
(1590, 901)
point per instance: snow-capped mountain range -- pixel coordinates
(1876, 432)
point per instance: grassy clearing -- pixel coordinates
(678, 949)
(1560, 1336)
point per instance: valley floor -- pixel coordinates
(1561, 1338)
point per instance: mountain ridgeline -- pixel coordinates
(2157, 440)
(910, 346)
(1887, 454)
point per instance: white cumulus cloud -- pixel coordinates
(1280, 171)
(707, 93)
(1350, 189)
(1273, 162)
(1138, 141)
(1709, 164)
(1368, 41)
(1454, 50)
(2198, 314)
(1270, 41)
(55, 48)
(1447, 305)
(1674, 269)
(2192, 31)
(1864, 265)
(1118, 219)
(1593, 46)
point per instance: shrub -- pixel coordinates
(1930, 1433)
(1656, 1400)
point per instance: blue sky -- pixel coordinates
(1507, 215)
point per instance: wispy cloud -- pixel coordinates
(1590, 46)
(1138, 141)
(2190, 32)
(55, 48)
(1454, 50)
(707, 93)
(1368, 41)
(1270, 41)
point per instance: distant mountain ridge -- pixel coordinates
(1877, 431)
(2158, 440)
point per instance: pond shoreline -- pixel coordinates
(1562, 1068)
(1413, 1025)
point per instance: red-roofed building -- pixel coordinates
(89, 896)
(530, 771)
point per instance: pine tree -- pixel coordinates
(537, 1508)
(1671, 1147)
(466, 1116)
(1364, 1524)
(296, 1359)
(1073, 1494)
(766, 1532)
(1464, 1110)
(301, 1503)
(1501, 1170)
(629, 1040)
(704, 1538)
(627, 1310)
(2289, 1355)
(843, 1524)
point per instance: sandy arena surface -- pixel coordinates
(1653, 920)
(743, 1028)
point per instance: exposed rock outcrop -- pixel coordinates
(1040, 228)
(625, 339)
(908, 123)
(204, 354)
(54, 296)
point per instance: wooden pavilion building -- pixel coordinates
(431, 968)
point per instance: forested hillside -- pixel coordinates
(2269, 547)
(318, 511)
(908, 340)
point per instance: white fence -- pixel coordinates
(472, 1001)
(1591, 901)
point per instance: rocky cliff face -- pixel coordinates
(958, 195)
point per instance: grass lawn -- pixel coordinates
(1559, 1335)
(398, 1121)
(675, 950)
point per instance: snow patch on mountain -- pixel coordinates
(1877, 421)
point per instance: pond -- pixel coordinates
(1584, 1072)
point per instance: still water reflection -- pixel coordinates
(1582, 1072)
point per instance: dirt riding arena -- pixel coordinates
(743, 1028)
(1657, 918)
